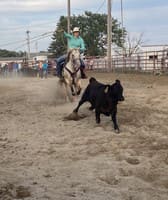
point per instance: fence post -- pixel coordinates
(154, 63)
(138, 62)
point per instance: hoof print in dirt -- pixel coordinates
(22, 192)
(110, 179)
(10, 192)
(74, 116)
(132, 161)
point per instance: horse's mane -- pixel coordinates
(68, 55)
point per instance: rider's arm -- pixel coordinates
(67, 35)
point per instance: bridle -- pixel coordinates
(75, 64)
(73, 73)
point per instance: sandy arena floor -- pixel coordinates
(44, 157)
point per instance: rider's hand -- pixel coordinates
(61, 30)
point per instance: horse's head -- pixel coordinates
(74, 57)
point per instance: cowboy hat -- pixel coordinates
(76, 29)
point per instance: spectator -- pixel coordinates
(19, 68)
(91, 64)
(15, 68)
(6, 70)
(45, 69)
(40, 69)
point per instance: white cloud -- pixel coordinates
(42, 5)
(150, 21)
(153, 13)
(38, 16)
(29, 5)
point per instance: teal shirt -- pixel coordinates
(75, 42)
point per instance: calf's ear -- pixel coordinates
(106, 89)
(117, 81)
(92, 79)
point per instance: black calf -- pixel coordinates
(103, 98)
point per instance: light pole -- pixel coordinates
(122, 21)
(69, 16)
(36, 47)
(109, 35)
(28, 44)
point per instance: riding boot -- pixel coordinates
(83, 75)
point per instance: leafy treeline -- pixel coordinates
(6, 53)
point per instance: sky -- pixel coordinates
(40, 17)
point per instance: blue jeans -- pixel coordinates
(60, 64)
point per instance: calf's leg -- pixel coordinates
(82, 101)
(114, 119)
(97, 114)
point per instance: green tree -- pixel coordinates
(7, 53)
(93, 28)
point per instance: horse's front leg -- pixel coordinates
(73, 90)
(79, 88)
(68, 90)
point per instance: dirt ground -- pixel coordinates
(44, 157)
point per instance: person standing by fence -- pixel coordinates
(40, 71)
(15, 69)
(5, 74)
(45, 69)
(91, 64)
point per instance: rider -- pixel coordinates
(74, 41)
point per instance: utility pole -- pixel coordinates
(28, 44)
(68, 17)
(122, 37)
(36, 46)
(109, 35)
(122, 21)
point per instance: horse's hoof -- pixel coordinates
(72, 98)
(97, 121)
